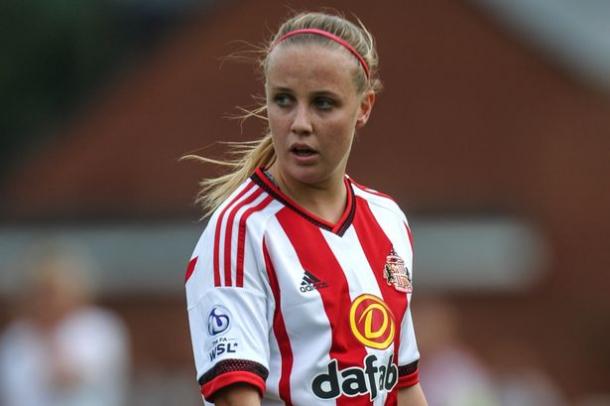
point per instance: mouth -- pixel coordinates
(303, 150)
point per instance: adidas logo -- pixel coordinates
(310, 282)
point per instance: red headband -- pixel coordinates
(330, 36)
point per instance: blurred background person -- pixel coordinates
(451, 372)
(61, 349)
(521, 379)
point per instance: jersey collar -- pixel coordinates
(261, 179)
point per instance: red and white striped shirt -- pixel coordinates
(306, 311)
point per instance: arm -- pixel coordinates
(238, 394)
(228, 320)
(412, 396)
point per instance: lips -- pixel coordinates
(303, 150)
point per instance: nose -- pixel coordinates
(301, 123)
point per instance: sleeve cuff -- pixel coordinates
(408, 375)
(209, 389)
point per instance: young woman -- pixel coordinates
(298, 291)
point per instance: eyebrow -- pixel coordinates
(328, 93)
(281, 89)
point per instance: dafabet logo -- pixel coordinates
(372, 322)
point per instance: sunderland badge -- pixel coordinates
(395, 273)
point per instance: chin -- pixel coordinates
(307, 174)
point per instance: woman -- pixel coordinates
(298, 289)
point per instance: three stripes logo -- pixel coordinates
(311, 282)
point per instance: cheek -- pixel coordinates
(277, 123)
(339, 137)
(280, 129)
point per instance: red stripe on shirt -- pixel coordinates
(209, 389)
(279, 329)
(317, 257)
(377, 246)
(407, 381)
(217, 233)
(241, 238)
(229, 232)
(190, 269)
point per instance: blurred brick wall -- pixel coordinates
(470, 120)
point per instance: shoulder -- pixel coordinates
(229, 251)
(18, 331)
(92, 318)
(91, 323)
(377, 200)
(247, 209)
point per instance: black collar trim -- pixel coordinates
(260, 178)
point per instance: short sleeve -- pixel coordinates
(408, 353)
(228, 304)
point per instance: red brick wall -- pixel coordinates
(470, 120)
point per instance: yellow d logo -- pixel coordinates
(372, 321)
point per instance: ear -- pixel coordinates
(366, 107)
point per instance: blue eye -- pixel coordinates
(282, 100)
(324, 103)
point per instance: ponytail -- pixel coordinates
(248, 156)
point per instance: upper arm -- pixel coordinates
(408, 354)
(412, 396)
(238, 394)
(228, 307)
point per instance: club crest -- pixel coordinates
(395, 273)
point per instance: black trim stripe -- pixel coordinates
(232, 365)
(408, 369)
(266, 183)
(352, 211)
(311, 278)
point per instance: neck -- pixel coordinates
(326, 199)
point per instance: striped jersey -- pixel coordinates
(306, 311)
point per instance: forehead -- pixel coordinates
(311, 66)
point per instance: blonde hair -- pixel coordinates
(248, 155)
